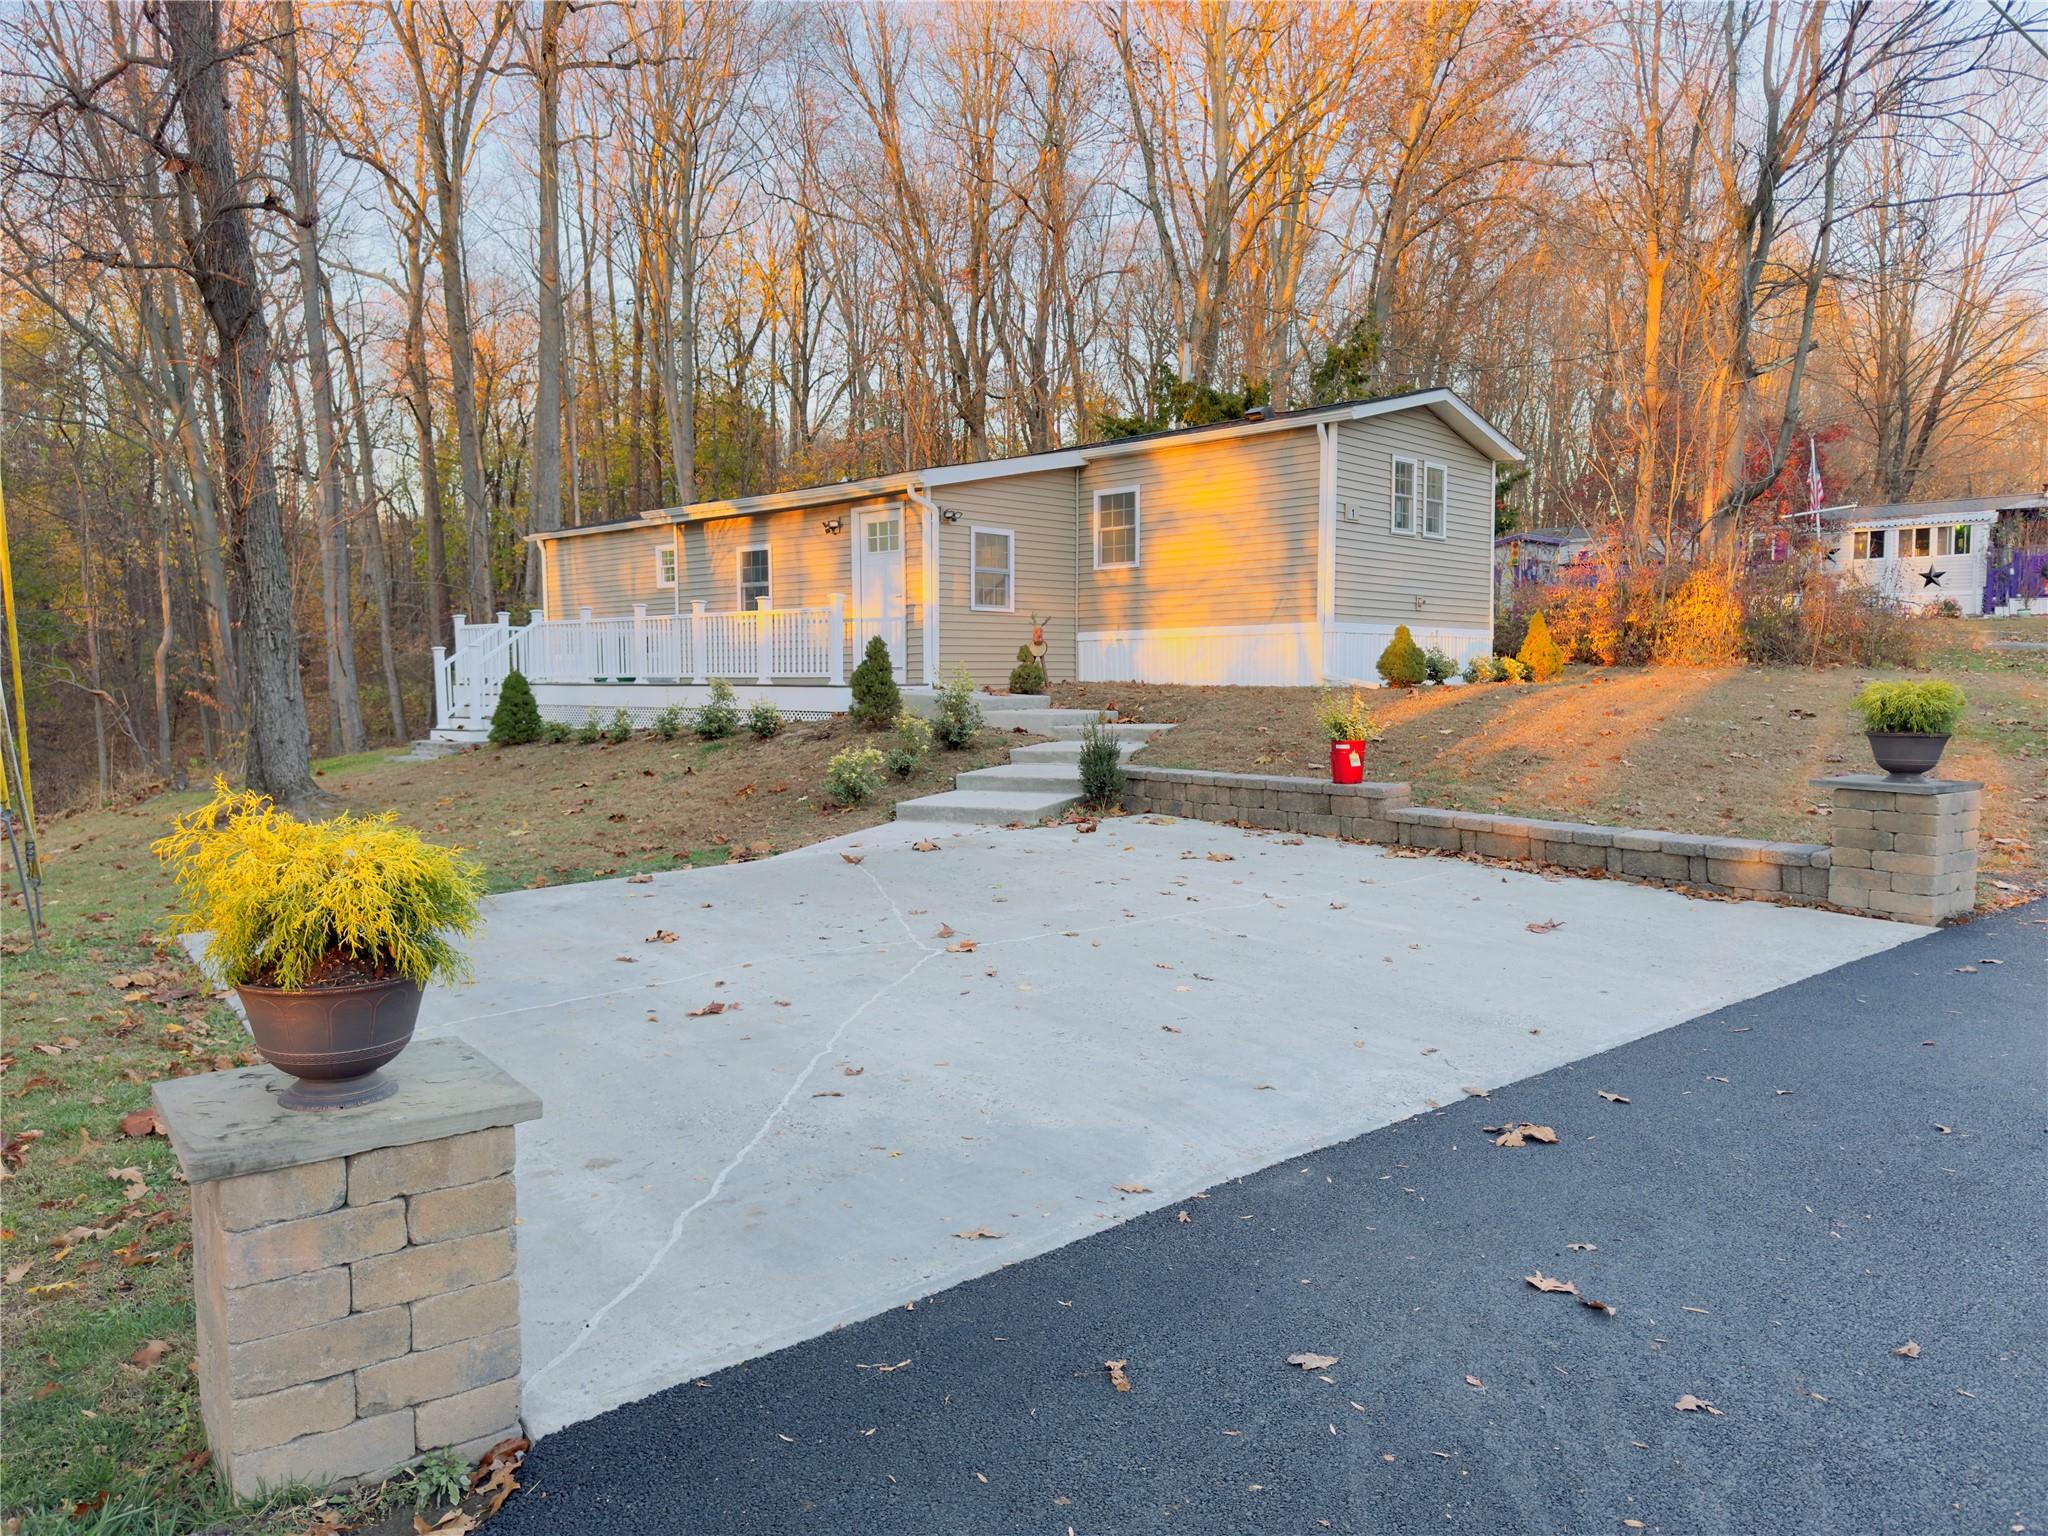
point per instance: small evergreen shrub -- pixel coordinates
(668, 723)
(1437, 665)
(516, 720)
(621, 728)
(1543, 656)
(555, 732)
(1346, 719)
(764, 720)
(1028, 676)
(1507, 669)
(1479, 670)
(1102, 766)
(1401, 663)
(282, 900)
(876, 698)
(913, 743)
(591, 731)
(959, 717)
(1918, 709)
(720, 716)
(853, 774)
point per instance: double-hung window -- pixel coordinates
(994, 562)
(1917, 541)
(1961, 540)
(756, 577)
(664, 567)
(1407, 472)
(1869, 544)
(1116, 527)
(1435, 494)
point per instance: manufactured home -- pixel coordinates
(1279, 548)
(1922, 554)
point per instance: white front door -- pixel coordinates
(878, 582)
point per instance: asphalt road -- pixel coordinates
(1797, 1186)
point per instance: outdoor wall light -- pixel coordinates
(948, 515)
(833, 524)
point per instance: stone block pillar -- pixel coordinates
(1903, 848)
(352, 1269)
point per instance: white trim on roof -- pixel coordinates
(1453, 412)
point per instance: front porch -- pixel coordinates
(799, 658)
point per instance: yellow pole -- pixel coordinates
(20, 711)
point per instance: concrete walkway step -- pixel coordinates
(993, 808)
(1042, 775)
(1067, 751)
(1070, 729)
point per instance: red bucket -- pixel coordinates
(1347, 762)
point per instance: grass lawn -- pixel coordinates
(1725, 751)
(95, 1238)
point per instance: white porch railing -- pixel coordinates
(766, 646)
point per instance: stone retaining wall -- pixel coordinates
(1382, 813)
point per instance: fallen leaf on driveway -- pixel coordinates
(1550, 926)
(1520, 1133)
(1132, 1189)
(1467, 1088)
(1544, 1282)
(1476, 1383)
(1583, 1247)
(884, 1369)
(1185, 1217)
(924, 845)
(945, 931)
(1690, 1404)
(1613, 1098)
(1910, 1350)
(707, 1010)
(1946, 1130)
(639, 879)
(977, 1232)
(659, 936)
(1312, 1362)
(851, 1071)
(962, 947)
(1221, 858)
(853, 858)
(829, 1093)
(1117, 1378)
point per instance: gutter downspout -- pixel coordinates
(930, 634)
(1326, 546)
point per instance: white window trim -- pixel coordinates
(739, 576)
(1422, 501)
(975, 568)
(1137, 495)
(1414, 496)
(669, 556)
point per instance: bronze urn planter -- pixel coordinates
(332, 1040)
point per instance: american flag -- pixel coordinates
(1816, 490)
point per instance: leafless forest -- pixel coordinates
(311, 313)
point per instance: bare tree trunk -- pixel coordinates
(376, 568)
(224, 268)
(547, 404)
(344, 704)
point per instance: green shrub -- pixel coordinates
(1918, 709)
(913, 742)
(1543, 656)
(764, 719)
(1507, 669)
(1437, 665)
(959, 717)
(853, 774)
(516, 720)
(555, 732)
(876, 698)
(591, 731)
(1346, 719)
(621, 727)
(1102, 766)
(1479, 670)
(1028, 676)
(719, 717)
(1401, 663)
(668, 723)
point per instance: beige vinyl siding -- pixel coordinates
(1038, 510)
(806, 565)
(1380, 573)
(608, 572)
(1227, 534)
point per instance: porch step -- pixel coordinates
(992, 808)
(1045, 775)
(460, 735)
(1066, 751)
(1079, 719)
(426, 749)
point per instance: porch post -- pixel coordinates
(586, 646)
(697, 640)
(640, 667)
(835, 643)
(441, 686)
(764, 650)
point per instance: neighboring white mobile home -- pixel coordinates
(1280, 548)
(1919, 554)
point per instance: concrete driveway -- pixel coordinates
(990, 1038)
